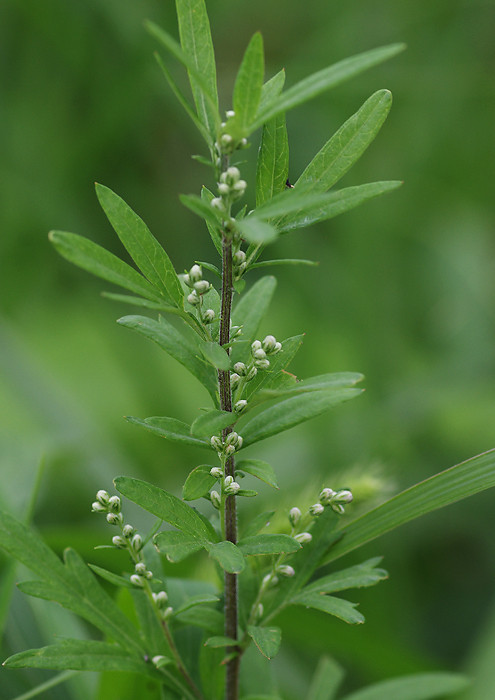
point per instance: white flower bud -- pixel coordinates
(326, 496)
(103, 497)
(137, 581)
(240, 368)
(217, 203)
(234, 379)
(225, 139)
(160, 599)
(228, 480)
(232, 488)
(215, 499)
(235, 331)
(137, 543)
(167, 613)
(240, 405)
(232, 438)
(128, 531)
(316, 509)
(119, 542)
(269, 343)
(277, 348)
(229, 450)
(294, 515)
(239, 257)
(148, 574)
(216, 443)
(187, 280)
(233, 174)
(262, 364)
(337, 508)
(202, 286)
(256, 345)
(97, 507)
(259, 354)
(251, 374)
(223, 188)
(208, 316)
(140, 568)
(193, 298)
(244, 142)
(285, 570)
(303, 537)
(195, 273)
(216, 472)
(160, 661)
(114, 504)
(230, 113)
(240, 440)
(259, 611)
(240, 186)
(343, 496)
(114, 518)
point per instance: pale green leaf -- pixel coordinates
(334, 380)
(198, 483)
(454, 484)
(212, 422)
(177, 345)
(195, 600)
(249, 312)
(325, 79)
(141, 245)
(93, 258)
(230, 557)
(220, 641)
(208, 619)
(291, 412)
(271, 89)
(359, 576)
(109, 576)
(212, 226)
(138, 301)
(165, 506)
(326, 680)
(257, 545)
(347, 145)
(283, 261)
(215, 355)
(170, 429)
(256, 231)
(248, 84)
(177, 545)
(261, 470)
(337, 607)
(266, 639)
(424, 686)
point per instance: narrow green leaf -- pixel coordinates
(198, 483)
(273, 158)
(247, 493)
(258, 523)
(422, 686)
(338, 607)
(212, 226)
(141, 245)
(177, 345)
(47, 685)
(202, 208)
(290, 412)
(109, 576)
(272, 88)
(212, 422)
(359, 576)
(256, 231)
(347, 145)
(170, 429)
(334, 380)
(220, 641)
(325, 79)
(283, 261)
(248, 84)
(259, 469)
(195, 600)
(138, 301)
(216, 355)
(196, 42)
(82, 655)
(248, 312)
(165, 506)
(93, 258)
(464, 480)
(267, 639)
(230, 557)
(326, 680)
(268, 544)
(176, 545)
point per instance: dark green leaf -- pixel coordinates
(212, 226)
(347, 145)
(326, 680)
(177, 545)
(248, 312)
(170, 429)
(290, 412)
(359, 576)
(220, 642)
(177, 345)
(259, 469)
(165, 506)
(248, 84)
(282, 261)
(256, 231)
(325, 79)
(273, 160)
(195, 600)
(271, 89)
(138, 301)
(268, 544)
(141, 245)
(216, 355)
(424, 686)
(258, 523)
(336, 380)
(464, 480)
(212, 621)
(198, 483)
(212, 422)
(82, 655)
(338, 607)
(267, 639)
(228, 556)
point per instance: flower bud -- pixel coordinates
(232, 488)
(187, 280)
(232, 175)
(240, 368)
(216, 443)
(337, 508)
(216, 472)
(230, 113)
(225, 139)
(294, 515)
(202, 286)
(240, 405)
(97, 507)
(244, 142)
(235, 331)
(229, 450)
(128, 531)
(114, 504)
(137, 543)
(167, 613)
(343, 496)
(160, 661)
(119, 542)
(259, 611)
(102, 497)
(234, 379)
(285, 570)
(228, 480)
(140, 568)
(217, 203)
(316, 509)
(195, 273)
(215, 499)
(251, 374)
(269, 343)
(232, 438)
(208, 316)
(259, 354)
(239, 257)
(160, 599)
(223, 188)
(240, 186)
(303, 537)
(262, 364)
(326, 496)
(256, 345)
(114, 518)
(137, 581)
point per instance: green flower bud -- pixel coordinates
(239, 257)
(326, 496)
(240, 405)
(316, 509)
(240, 368)
(229, 450)
(208, 316)
(303, 537)
(119, 542)
(232, 488)
(285, 570)
(114, 518)
(232, 438)
(337, 508)
(128, 531)
(251, 374)
(215, 499)
(137, 543)
(216, 443)
(160, 599)
(216, 472)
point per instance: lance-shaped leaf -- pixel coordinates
(202, 208)
(424, 686)
(283, 261)
(249, 312)
(347, 145)
(220, 641)
(198, 483)
(145, 303)
(109, 576)
(177, 345)
(93, 258)
(248, 84)
(273, 160)
(266, 639)
(359, 576)
(166, 506)
(261, 470)
(212, 226)
(292, 411)
(272, 89)
(141, 245)
(334, 380)
(212, 422)
(230, 557)
(215, 355)
(326, 680)
(82, 655)
(464, 480)
(256, 231)
(257, 545)
(177, 545)
(212, 621)
(196, 42)
(337, 607)
(325, 79)
(170, 429)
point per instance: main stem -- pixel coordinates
(232, 679)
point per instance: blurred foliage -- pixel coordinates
(404, 293)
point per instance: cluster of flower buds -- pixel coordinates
(111, 505)
(231, 444)
(230, 487)
(230, 188)
(336, 499)
(295, 516)
(226, 144)
(141, 574)
(260, 349)
(194, 280)
(239, 264)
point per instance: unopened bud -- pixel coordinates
(160, 599)
(235, 331)
(217, 203)
(193, 298)
(343, 496)
(195, 273)
(262, 364)
(269, 343)
(228, 480)
(285, 570)
(140, 568)
(338, 508)
(259, 611)
(114, 504)
(232, 438)
(251, 374)
(316, 509)
(167, 613)
(216, 472)
(137, 581)
(229, 450)
(97, 507)
(119, 542)
(225, 139)
(216, 443)
(202, 286)
(240, 405)
(160, 661)
(102, 496)
(326, 496)
(259, 354)
(233, 174)
(240, 368)
(137, 543)
(232, 488)
(230, 113)
(234, 379)
(223, 188)
(239, 257)
(114, 518)
(209, 316)
(294, 515)
(215, 499)
(128, 531)
(303, 537)
(256, 345)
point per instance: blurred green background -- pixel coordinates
(404, 293)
